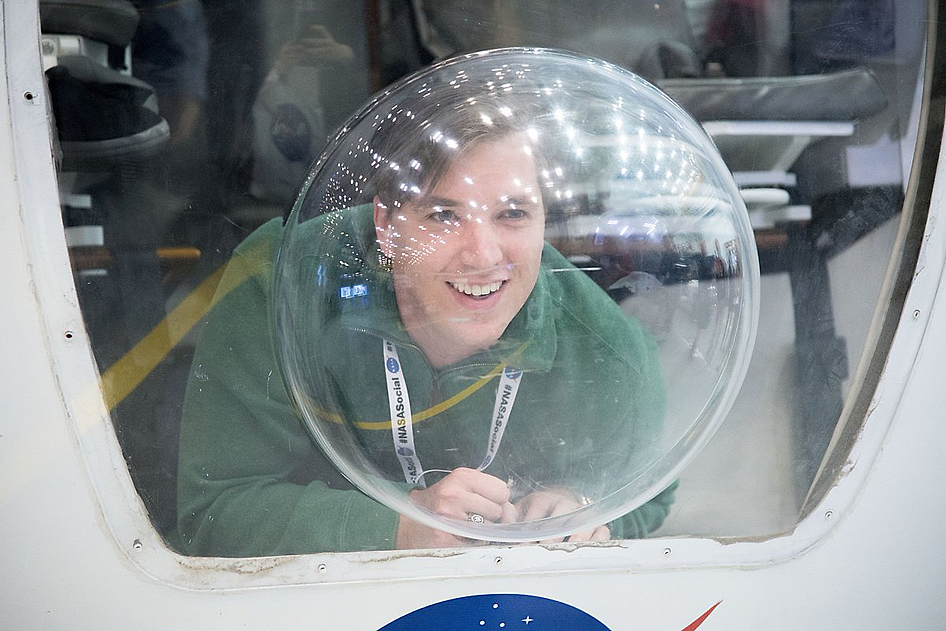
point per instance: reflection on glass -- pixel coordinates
(485, 384)
(231, 101)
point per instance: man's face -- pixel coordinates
(465, 255)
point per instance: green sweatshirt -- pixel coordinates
(251, 480)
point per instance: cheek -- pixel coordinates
(418, 249)
(528, 251)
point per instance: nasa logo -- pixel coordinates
(513, 373)
(506, 611)
(405, 451)
(497, 611)
(392, 365)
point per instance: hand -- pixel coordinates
(542, 504)
(460, 494)
(315, 47)
(321, 47)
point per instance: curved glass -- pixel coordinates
(187, 129)
(436, 329)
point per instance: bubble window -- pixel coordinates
(517, 294)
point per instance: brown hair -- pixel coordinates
(416, 142)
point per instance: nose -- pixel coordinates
(480, 244)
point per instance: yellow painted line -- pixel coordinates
(440, 407)
(127, 373)
(434, 409)
(133, 367)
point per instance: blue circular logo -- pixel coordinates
(392, 365)
(404, 451)
(513, 373)
(509, 612)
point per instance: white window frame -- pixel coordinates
(124, 512)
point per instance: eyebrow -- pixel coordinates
(446, 202)
(434, 200)
(520, 200)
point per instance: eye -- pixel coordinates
(440, 215)
(514, 213)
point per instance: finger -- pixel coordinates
(484, 484)
(473, 503)
(537, 506)
(536, 510)
(458, 503)
(563, 506)
(602, 533)
(510, 514)
(584, 535)
(549, 505)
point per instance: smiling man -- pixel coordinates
(465, 255)
(446, 345)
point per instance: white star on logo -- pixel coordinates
(527, 619)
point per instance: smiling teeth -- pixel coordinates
(476, 290)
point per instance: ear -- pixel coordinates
(382, 228)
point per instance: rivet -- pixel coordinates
(28, 95)
(48, 47)
(828, 514)
(69, 335)
(323, 568)
(136, 544)
(916, 314)
(498, 560)
(667, 551)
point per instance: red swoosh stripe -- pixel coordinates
(696, 623)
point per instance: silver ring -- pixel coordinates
(476, 518)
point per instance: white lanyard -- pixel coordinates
(402, 425)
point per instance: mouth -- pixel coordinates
(482, 290)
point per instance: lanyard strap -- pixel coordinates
(402, 425)
(505, 397)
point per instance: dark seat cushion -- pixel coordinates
(109, 21)
(102, 115)
(840, 96)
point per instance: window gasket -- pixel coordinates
(78, 379)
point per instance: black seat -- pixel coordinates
(103, 114)
(849, 95)
(110, 21)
